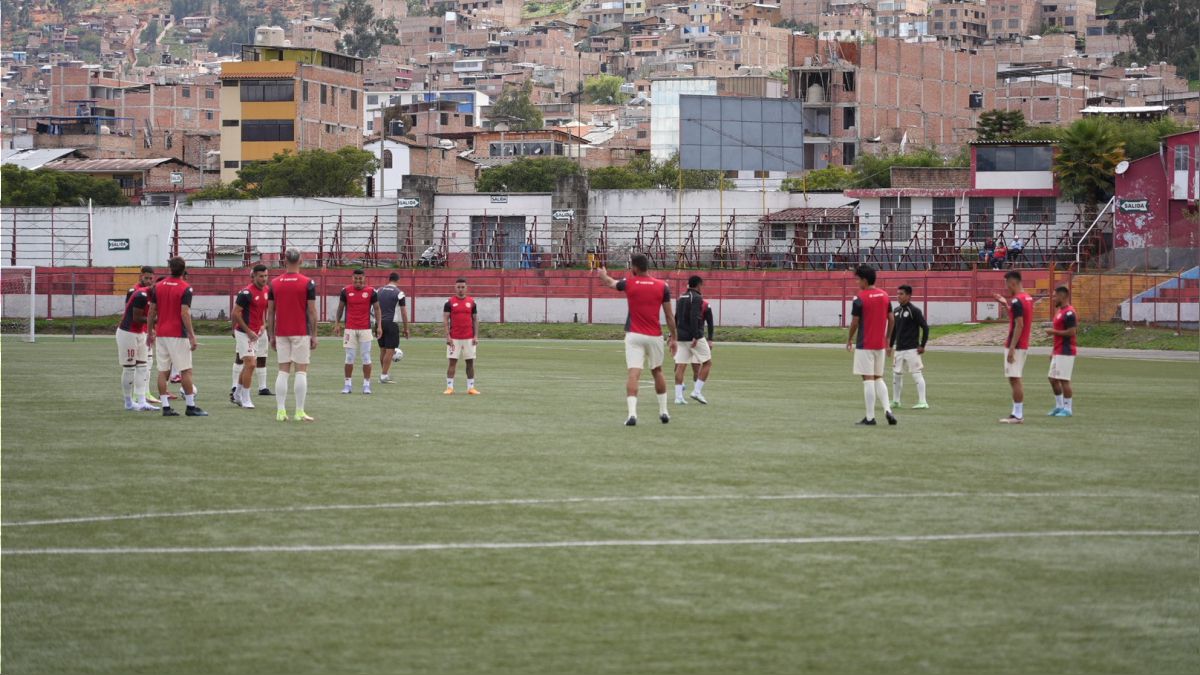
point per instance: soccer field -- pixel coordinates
(527, 531)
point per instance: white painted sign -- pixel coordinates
(563, 214)
(499, 199)
(408, 202)
(176, 178)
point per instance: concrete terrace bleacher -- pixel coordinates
(1174, 301)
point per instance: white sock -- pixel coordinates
(869, 397)
(237, 374)
(281, 385)
(881, 393)
(662, 404)
(349, 381)
(245, 395)
(1067, 404)
(1018, 410)
(679, 391)
(919, 378)
(128, 376)
(190, 398)
(470, 383)
(1058, 401)
(697, 386)
(449, 382)
(262, 377)
(141, 381)
(898, 385)
(631, 403)
(301, 390)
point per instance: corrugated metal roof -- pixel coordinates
(257, 76)
(36, 158)
(90, 165)
(802, 215)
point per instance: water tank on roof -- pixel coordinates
(815, 94)
(268, 36)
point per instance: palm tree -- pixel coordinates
(1088, 153)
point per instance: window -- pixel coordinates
(268, 130)
(849, 152)
(324, 98)
(387, 159)
(267, 90)
(954, 12)
(953, 25)
(1182, 157)
(937, 25)
(209, 93)
(208, 114)
(187, 113)
(896, 213)
(1014, 158)
(231, 164)
(1014, 23)
(333, 96)
(848, 81)
(943, 210)
(304, 90)
(997, 24)
(444, 120)
(229, 123)
(1035, 210)
(354, 100)
(1069, 21)
(187, 92)
(778, 231)
(372, 100)
(980, 216)
(848, 117)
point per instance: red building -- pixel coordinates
(1156, 221)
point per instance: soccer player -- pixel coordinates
(460, 318)
(132, 349)
(1016, 345)
(145, 282)
(1062, 357)
(356, 302)
(645, 296)
(250, 338)
(909, 335)
(870, 332)
(701, 371)
(292, 331)
(171, 327)
(391, 304)
(692, 348)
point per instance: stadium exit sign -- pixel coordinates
(118, 244)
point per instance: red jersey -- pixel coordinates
(462, 313)
(138, 297)
(358, 306)
(645, 296)
(1064, 318)
(872, 307)
(251, 302)
(169, 296)
(1021, 305)
(291, 292)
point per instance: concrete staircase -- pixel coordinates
(1098, 297)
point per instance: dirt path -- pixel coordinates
(990, 335)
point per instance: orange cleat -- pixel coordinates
(449, 391)
(473, 391)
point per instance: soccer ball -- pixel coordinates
(397, 356)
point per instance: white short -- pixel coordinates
(131, 348)
(461, 349)
(870, 361)
(256, 349)
(907, 361)
(643, 351)
(354, 338)
(293, 349)
(686, 353)
(1061, 367)
(1017, 367)
(174, 354)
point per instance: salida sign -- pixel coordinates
(118, 244)
(1134, 205)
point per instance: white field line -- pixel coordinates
(595, 500)
(609, 543)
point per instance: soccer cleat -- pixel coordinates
(281, 416)
(346, 389)
(890, 418)
(167, 412)
(472, 391)
(366, 387)
(195, 411)
(247, 404)
(921, 406)
(864, 422)
(1063, 412)
(896, 403)
(144, 407)
(699, 398)
(631, 422)
(301, 417)
(1011, 419)
(233, 396)
(384, 379)
(265, 392)
(151, 400)
(664, 418)
(680, 401)
(1054, 412)
(449, 391)
(129, 405)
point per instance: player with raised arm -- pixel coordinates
(702, 370)
(132, 348)
(292, 332)
(1016, 345)
(646, 297)
(870, 333)
(170, 327)
(1062, 356)
(692, 348)
(909, 336)
(356, 302)
(460, 319)
(250, 340)
(391, 306)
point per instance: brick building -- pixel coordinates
(1011, 19)
(962, 23)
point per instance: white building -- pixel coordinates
(395, 162)
(469, 101)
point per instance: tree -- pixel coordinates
(1085, 164)
(605, 89)
(644, 173)
(182, 8)
(526, 175)
(1000, 125)
(514, 104)
(67, 9)
(1163, 30)
(833, 177)
(45, 187)
(362, 33)
(217, 191)
(149, 35)
(875, 171)
(309, 173)
(619, 178)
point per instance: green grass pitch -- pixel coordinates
(689, 570)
